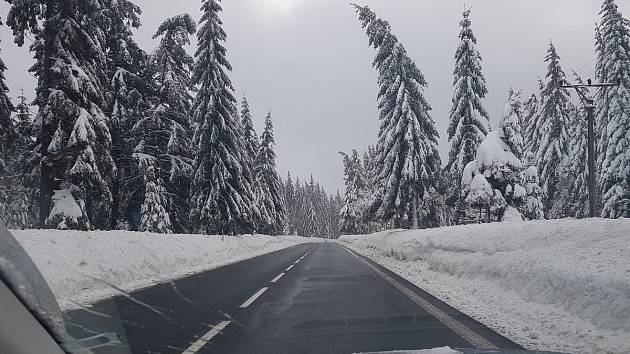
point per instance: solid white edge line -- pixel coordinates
(253, 298)
(201, 342)
(467, 333)
(278, 277)
(289, 268)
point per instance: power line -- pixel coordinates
(585, 65)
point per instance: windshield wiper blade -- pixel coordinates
(93, 342)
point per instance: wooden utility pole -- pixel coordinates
(589, 105)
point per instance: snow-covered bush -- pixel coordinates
(497, 178)
(68, 212)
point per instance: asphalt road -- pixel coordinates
(313, 298)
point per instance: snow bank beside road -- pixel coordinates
(78, 266)
(557, 285)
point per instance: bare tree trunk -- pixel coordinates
(414, 208)
(45, 136)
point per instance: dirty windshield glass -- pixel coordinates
(316, 176)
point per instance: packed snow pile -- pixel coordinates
(559, 285)
(81, 267)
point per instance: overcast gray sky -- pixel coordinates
(309, 62)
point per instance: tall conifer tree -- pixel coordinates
(613, 65)
(222, 200)
(249, 132)
(74, 138)
(267, 183)
(352, 212)
(126, 101)
(469, 122)
(408, 157)
(530, 118)
(555, 117)
(163, 134)
(7, 130)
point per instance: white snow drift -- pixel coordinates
(557, 285)
(81, 267)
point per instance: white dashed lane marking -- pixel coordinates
(277, 277)
(201, 342)
(253, 298)
(216, 330)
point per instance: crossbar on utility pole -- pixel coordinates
(589, 105)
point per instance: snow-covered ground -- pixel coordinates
(81, 267)
(559, 285)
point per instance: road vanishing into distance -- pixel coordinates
(310, 298)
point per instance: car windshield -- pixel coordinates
(315, 176)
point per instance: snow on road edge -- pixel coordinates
(560, 285)
(78, 266)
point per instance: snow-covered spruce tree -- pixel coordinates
(564, 204)
(555, 117)
(20, 189)
(370, 169)
(267, 183)
(17, 186)
(126, 103)
(153, 215)
(529, 128)
(491, 179)
(469, 120)
(533, 208)
(369, 165)
(249, 132)
(353, 211)
(601, 114)
(150, 154)
(528, 199)
(408, 157)
(309, 211)
(74, 140)
(511, 124)
(172, 65)
(434, 210)
(480, 196)
(8, 136)
(613, 116)
(501, 170)
(23, 118)
(163, 135)
(290, 205)
(222, 199)
(251, 143)
(321, 204)
(7, 130)
(497, 179)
